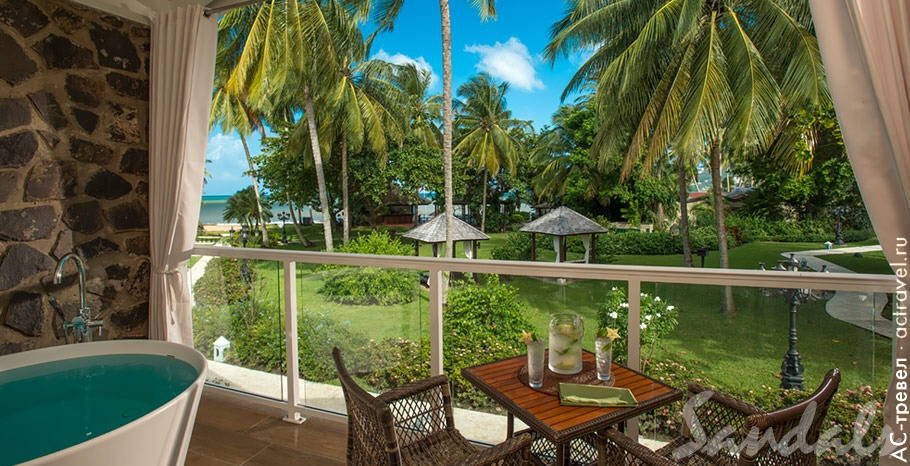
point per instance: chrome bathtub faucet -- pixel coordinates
(83, 324)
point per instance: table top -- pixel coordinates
(543, 412)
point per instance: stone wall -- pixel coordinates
(73, 169)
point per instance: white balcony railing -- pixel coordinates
(437, 267)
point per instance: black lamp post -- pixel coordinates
(840, 213)
(244, 235)
(284, 217)
(791, 369)
(702, 252)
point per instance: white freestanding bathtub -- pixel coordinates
(157, 417)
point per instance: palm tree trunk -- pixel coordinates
(727, 305)
(483, 205)
(683, 211)
(447, 122)
(320, 174)
(346, 229)
(294, 220)
(261, 220)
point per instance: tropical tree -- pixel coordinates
(698, 76)
(484, 127)
(364, 104)
(386, 13)
(420, 111)
(284, 55)
(247, 209)
(231, 114)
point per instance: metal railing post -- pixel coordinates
(634, 343)
(437, 299)
(290, 340)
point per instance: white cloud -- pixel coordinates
(509, 61)
(402, 59)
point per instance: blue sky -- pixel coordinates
(508, 48)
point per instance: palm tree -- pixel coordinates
(484, 126)
(421, 112)
(282, 54)
(247, 208)
(230, 114)
(385, 14)
(701, 76)
(363, 102)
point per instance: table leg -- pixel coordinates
(510, 425)
(601, 449)
(562, 454)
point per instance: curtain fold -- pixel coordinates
(182, 72)
(865, 47)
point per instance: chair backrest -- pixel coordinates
(788, 436)
(371, 435)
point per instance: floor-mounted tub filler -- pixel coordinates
(128, 402)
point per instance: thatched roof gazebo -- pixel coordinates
(434, 232)
(402, 207)
(560, 223)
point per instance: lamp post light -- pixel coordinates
(245, 274)
(284, 217)
(791, 369)
(840, 213)
(244, 235)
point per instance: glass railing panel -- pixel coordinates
(376, 316)
(747, 349)
(484, 318)
(238, 323)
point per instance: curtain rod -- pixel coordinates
(228, 7)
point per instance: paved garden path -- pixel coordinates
(863, 310)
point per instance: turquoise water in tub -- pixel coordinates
(51, 406)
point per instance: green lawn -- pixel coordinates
(742, 350)
(870, 262)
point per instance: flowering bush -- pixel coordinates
(658, 319)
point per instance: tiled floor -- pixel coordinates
(236, 432)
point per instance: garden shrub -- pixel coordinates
(370, 285)
(482, 323)
(517, 247)
(225, 281)
(496, 221)
(658, 319)
(257, 340)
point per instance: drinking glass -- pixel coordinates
(603, 352)
(535, 364)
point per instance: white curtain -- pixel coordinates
(182, 71)
(865, 46)
(586, 240)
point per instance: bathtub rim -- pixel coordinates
(102, 348)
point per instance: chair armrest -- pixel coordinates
(411, 389)
(623, 450)
(516, 450)
(725, 400)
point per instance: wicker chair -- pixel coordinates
(413, 425)
(750, 427)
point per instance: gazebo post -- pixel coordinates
(592, 257)
(533, 247)
(417, 248)
(562, 249)
(474, 249)
(435, 249)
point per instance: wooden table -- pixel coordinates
(565, 426)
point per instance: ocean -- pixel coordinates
(213, 206)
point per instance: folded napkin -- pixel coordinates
(573, 394)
